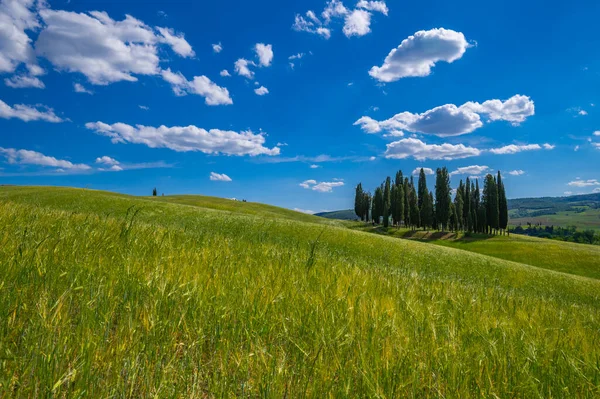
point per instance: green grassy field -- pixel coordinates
(588, 219)
(566, 257)
(104, 295)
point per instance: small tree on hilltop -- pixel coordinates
(154, 192)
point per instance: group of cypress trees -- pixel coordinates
(399, 202)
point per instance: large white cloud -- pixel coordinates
(219, 177)
(357, 23)
(473, 170)
(28, 113)
(16, 18)
(103, 49)
(322, 187)
(24, 81)
(584, 183)
(264, 52)
(417, 54)
(450, 120)
(201, 85)
(187, 138)
(27, 157)
(421, 151)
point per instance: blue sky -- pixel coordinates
(321, 95)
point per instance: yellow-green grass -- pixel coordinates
(566, 257)
(104, 295)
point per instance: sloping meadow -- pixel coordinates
(104, 295)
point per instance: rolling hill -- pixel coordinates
(106, 295)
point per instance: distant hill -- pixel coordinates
(582, 211)
(347, 214)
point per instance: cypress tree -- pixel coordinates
(406, 188)
(366, 205)
(398, 204)
(467, 207)
(358, 202)
(432, 215)
(422, 189)
(414, 208)
(399, 178)
(502, 204)
(394, 198)
(387, 202)
(378, 205)
(442, 197)
(458, 206)
(490, 203)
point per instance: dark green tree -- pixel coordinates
(154, 192)
(467, 215)
(422, 189)
(459, 206)
(406, 188)
(387, 201)
(502, 204)
(397, 203)
(366, 205)
(490, 203)
(414, 208)
(359, 202)
(442, 197)
(378, 204)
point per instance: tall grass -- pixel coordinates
(108, 296)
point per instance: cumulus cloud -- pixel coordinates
(103, 49)
(597, 133)
(242, 68)
(597, 145)
(322, 187)
(421, 151)
(584, 183)
(26, 157)
(106, 160)
(219, 177)
(261, 91)
(24, 81)
(16, 18)
(225, 73)
(28, 113)
(513, 149)
(357, 22)
(201, 85)
(548, 146)
(516, 172)
(264, 52)
(313, 166)
(450, 120)
(378, 6)
(177, 42)
(417, 54)
(427, 171)
(474, 170)
(187, 138)
(217, 48)
(78, 88)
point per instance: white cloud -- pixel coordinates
(201, 85)
(568, 193)
(358, 23)
(177, 42)
(78, 88)
(103, 49)
(219, 177)
(427, 171)
(217, 48)
(26, 157)
(261, 91)
(513, 149)
(597, 133)
(307, 211)
(597, 145)
(372, 158)
(470, 170)
(417, 54)
(576, 148)
(242, 68)
(17, 17)
(582, 112)
(584, 183)
(28, 113)
(24, 81)
(516, 172)
(450, 120)
(225, 73)
(296, 56)
(421, 151)
(144, 107)
(323, 187)
(106, 160)
(548, 146)
(188, 138)
(264, 52)
(378, 6)
(596, 190)
(314, 166)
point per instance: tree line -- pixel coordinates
(400, 203)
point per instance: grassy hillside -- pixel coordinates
(566, 257)
(105, 295)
